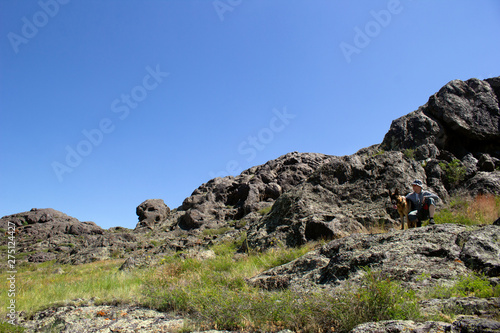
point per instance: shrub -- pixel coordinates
(454, 171)
(378, 298)
(409, 153)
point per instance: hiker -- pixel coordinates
(423, 204)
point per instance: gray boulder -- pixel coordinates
(468, 108)
(483, 183)
(462, 117)
(152, 212)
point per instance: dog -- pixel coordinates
(403, 206)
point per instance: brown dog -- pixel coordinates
(403, 206)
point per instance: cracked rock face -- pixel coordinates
(462, 324)
(419, 258)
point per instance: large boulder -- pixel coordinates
(152, 212)
(462, 117)
(468, 108)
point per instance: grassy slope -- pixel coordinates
(215, 295)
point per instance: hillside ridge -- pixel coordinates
(451, 143)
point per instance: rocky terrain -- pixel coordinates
(301, 197)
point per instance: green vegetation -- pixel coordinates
(214, 293)
(474, 285)
(483, 209)
(39, 285)
(409, 153)
(5, 327)
(265, 210)
(454, 170)
(213, 232)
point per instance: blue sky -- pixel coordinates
(104, 104)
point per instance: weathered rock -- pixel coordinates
(468, 108)
(152, 212)
(462, 117)
(462, 325)
(471, 324)
(344, 196)
(48, 222)
(400, 326)
(86, 316)
(232, 198)
(486, 163)
(487, 308)
(441, 253)
(483, 183)
(481, 249)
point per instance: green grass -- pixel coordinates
(5, 327)
(215, 294)
(483, 209)
(473, 285)
(265, 210)
(38, 286)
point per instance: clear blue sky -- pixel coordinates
(104, 104)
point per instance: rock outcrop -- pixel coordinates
(419, 258)
(462, 117)
(347, 194)
(221, 200)
(344, 196)
(152, 212)
(47, 234)
(86, 316)
(301, 197)
(461, 325)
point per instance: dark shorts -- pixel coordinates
(423, 213)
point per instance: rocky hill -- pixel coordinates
(300, 197)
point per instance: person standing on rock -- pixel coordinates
(423, 204)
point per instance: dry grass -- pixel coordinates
(480, 210)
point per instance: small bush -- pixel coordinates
(454, 170)
(378, 298)
(409, 153)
